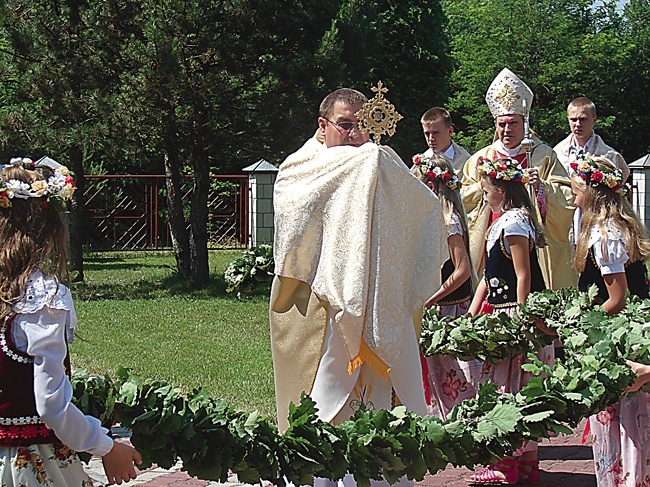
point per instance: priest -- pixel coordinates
(509, 100)
(358, 247)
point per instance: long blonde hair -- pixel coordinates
(449, 198)
(32, 236)
(601, 204)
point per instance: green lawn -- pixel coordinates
(134, 311)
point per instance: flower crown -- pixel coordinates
(505, 169)
(58, 189)
(434, 172)
(594, 174)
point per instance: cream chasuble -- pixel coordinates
(556, 257)
(359, 243)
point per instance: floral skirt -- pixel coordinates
(451, 380)
(51, 465)
(510, 377)
(508, 374)
(621, 437)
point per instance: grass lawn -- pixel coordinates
(134, 311)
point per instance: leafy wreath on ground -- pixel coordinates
(213, 439)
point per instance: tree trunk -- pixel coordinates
(176, 217)
(77, 217)
(200, 271)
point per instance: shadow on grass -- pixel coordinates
(174, 285)
(154, 276)
(97, 262)
(112, 265)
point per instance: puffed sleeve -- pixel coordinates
(454, 227)
(613, 260)
(45, 333)
(516, 224)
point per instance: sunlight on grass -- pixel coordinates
(135, 312)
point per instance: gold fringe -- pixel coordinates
(368, 356)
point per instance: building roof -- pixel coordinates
(261, 166)
(641, 163)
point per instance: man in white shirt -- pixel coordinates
(581, 113)
(438, 129)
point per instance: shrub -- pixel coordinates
(252, 269)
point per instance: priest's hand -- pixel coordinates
(533, 177)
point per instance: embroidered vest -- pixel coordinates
(463, 293)
(501, 278)
(20, 424)
(636, 274)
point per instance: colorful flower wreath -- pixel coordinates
(434, 172)
(594, 174)
(505, 169)
(58, 189)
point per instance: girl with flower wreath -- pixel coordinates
(447, 380)
(611, 249)
(512, 271)
(40, 429)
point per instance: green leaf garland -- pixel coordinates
(213, 439)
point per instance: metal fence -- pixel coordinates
(128, 212)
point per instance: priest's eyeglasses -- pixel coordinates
(346, 126)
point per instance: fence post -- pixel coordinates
(261, 178)
(640, 179)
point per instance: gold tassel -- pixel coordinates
(368, 356)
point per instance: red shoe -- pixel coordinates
(529, 472)
(508, 467)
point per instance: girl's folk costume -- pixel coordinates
(452, 380)
(34, 348)
(447, 380)
(503, 183)
(40, 429)
(621, 433)
(501, 281)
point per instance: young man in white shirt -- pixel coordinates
(581, 113)
(438, 129)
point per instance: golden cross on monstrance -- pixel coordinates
(378, 116)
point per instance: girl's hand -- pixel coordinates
(119, 463)
(642, 375)
(479, 296)
(541, 324)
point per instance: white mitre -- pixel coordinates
(508, 95)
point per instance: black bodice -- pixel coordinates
(501, 278)
(463, 293)
(636, 274)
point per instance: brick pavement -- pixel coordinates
(563, 461)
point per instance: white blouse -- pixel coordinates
(514, 222)
(454, 227)
(613, 259)
(44, 323)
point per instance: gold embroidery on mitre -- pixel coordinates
(507, 97)
(378, 116)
